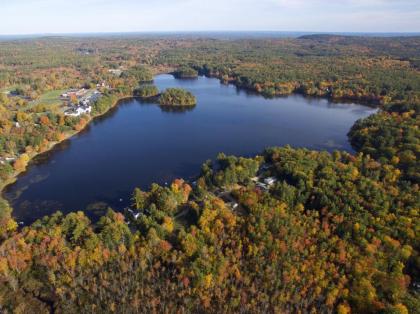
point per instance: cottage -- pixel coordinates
(10, 159)
(74, 93)
(81, 92)
(270, 180)
(264, 167)
(102, 84)
(69, 93)
(262, 186)
(115, 72)
(84, 102)
(4, 160)
(255, 179)
(233, 205)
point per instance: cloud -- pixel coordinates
(41, 16)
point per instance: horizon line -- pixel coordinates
(206, 31)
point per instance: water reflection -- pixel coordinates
(176, 109)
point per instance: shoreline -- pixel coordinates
(68, 136)
(13, 178)
(373, 103)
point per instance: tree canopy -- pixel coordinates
(177, 97)
(333, 233)
(146, 91)
(392, 136)
(185, 72)
(140, 73)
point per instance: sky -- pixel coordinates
(87, 16)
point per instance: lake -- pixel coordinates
(136, 144)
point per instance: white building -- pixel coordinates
(262, 186)
(10, 159)
(115, 72)
(270, 180)
(233, 205)
(78, 111)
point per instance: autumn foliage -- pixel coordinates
(336, 233)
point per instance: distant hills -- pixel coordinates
(215, 34)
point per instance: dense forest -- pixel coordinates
(329, 233)
(146, 91)
(177, 97)
(335, 233)
(185, 73)
(392, 136)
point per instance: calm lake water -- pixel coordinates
(137, 144)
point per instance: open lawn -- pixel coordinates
(51, 99)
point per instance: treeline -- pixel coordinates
(336, 233)
(185, 72)
(359, 69)
(146, 91)
(376, 82)
(380, 70)
(140, 73)
(110, 99)
(391, 136)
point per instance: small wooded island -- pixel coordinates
(174, 97)
(177, 97)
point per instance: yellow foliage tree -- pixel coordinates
(21, 163)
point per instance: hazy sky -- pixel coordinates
(73, 16)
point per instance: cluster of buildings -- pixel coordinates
(74, 93)
(103, 85)
(262, 183)
(78, 111)
(83, 104)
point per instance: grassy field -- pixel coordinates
(50, 99)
